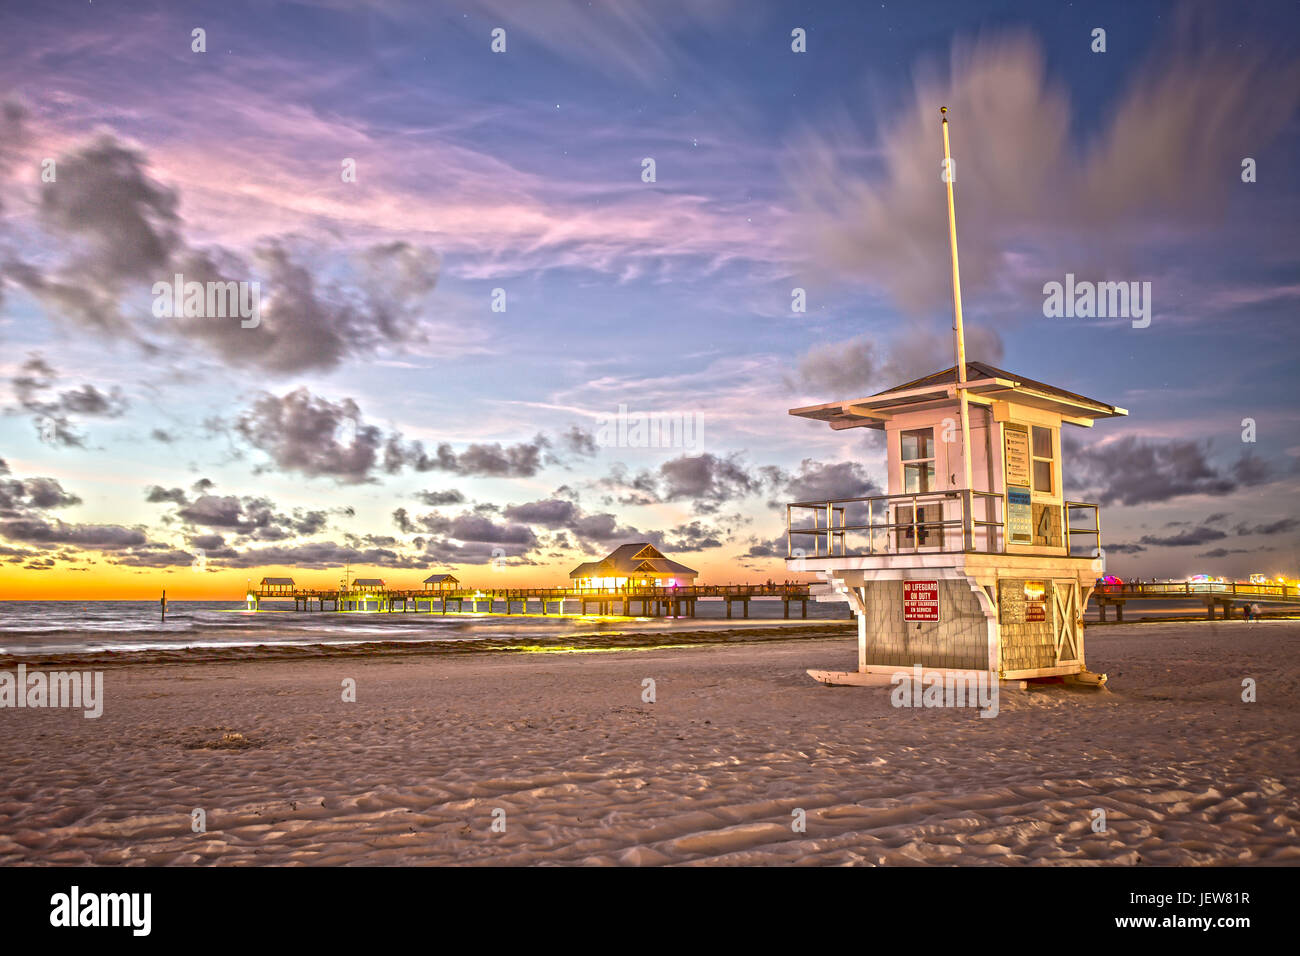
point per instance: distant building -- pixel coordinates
(632, 565)
(277, 585)
(441, 582)
(375, 583)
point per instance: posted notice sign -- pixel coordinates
(1017, 453)
(920, 600)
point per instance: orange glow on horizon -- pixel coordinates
(106, 582)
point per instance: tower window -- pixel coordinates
(1044, 460)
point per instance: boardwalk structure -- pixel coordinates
(642, 600)
(1215, 594)
(681, 601)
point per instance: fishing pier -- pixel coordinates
(1215, 594)
(643, 600)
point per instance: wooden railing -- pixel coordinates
(1289, 593)
(788, 589)
(938, 522)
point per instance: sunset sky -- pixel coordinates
(383, 414)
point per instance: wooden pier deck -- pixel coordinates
(645, 601)
(681, 601)
(1222, 594)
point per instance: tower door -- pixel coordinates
(1065, 617)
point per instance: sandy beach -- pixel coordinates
(738, 737)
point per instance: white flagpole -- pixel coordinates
(959, 341)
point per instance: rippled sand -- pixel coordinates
(739, 737)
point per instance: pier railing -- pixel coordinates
(786, 589)
(1280, 592)
(937, 522)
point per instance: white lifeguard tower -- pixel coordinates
(973, 560)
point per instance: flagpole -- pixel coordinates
(959, 340)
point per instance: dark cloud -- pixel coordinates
(578, 441)
(1124, 548)
(307, 323)
(857, 367)
(822, 481)
(710, 481)
(1225, 552)
(320, 555)
(707, 480)
(18, 496)
(693, 536)
(603, 529)
(445, 552)
(439, 499)
(307, 522)
(124, 223)
(1193, 536)
(1250, 470)
(13, 136)
(1134, 471)
(772, 548)
(123, 232)
(521, 460)
(248, 517)
(51, 413)
(481, 530)
(1281, 526)
(242, 515)
(88, 400)
(101, 537)
(156, 494)
(552, 513)
(304, 433)
(596, 532)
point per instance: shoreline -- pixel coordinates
(594, 641)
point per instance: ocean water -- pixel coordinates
(36, 627)
(39, 627)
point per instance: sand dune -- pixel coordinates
(586, 773)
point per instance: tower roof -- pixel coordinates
(985, 384)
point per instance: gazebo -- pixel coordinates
(632, 565)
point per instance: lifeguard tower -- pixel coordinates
(973, 560)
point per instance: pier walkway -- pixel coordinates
(1214, 593)
(648, 601)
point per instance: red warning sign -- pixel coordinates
(920, 600)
